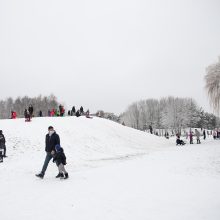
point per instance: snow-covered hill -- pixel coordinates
(136, 175)
(87, 142)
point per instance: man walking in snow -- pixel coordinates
(52, 139)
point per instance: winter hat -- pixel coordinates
(50, 127)
(57, 147)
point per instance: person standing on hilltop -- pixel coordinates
(13, 115)
(40, 114)
(27, 115)
(81, 110)
(31, 110)
(73, 112)
(52, 139)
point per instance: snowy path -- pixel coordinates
(170, 183)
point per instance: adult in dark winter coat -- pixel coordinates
(204, 134)
(60, 108)
(191, 137)
(69, 113)
(40, 113)
(151, 129)
(31, 110)
(52, 139)
(81, 110)
(2, 143)
(73, 112)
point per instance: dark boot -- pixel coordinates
(1, 156)
(59, 175)
(40, 175)
(66, 176)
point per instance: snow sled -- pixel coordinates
(89, 117)
(27, 119)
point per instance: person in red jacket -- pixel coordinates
(52, 113)
(13, 115)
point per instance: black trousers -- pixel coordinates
(1, 155)
(3, 147)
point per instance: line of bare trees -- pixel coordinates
(40, 103)
(167, 113)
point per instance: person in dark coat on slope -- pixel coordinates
(2, 144)
(60, 158)
(52, 139)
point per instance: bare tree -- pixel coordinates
(212, 79)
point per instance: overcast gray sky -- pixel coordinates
(107, 54)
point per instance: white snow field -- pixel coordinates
(116, 173)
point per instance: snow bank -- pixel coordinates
(85, 141)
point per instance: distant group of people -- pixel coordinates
(197, 134)
(190, 135)
(60, 112)
(79, 112)
(216, 134)
(57, 112)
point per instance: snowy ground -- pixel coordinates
(116, 173)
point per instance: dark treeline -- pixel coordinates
(40, 103)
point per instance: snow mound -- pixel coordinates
(85, 141)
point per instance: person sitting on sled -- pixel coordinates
(179, 141)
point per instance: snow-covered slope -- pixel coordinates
(87, 142)
(137, 176)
